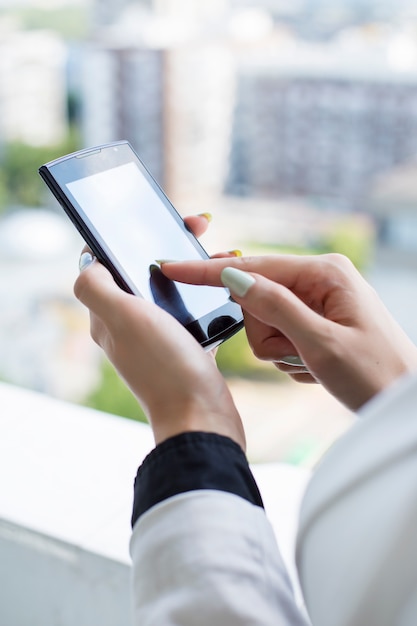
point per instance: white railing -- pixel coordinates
(66, 477)
(66, 488)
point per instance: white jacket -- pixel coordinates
(209, 558)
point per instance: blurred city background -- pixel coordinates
(294, 122)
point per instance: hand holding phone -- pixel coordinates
(179, 387)
(129, 223)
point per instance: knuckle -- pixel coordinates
(338, 260)
(247, 263)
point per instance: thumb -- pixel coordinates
(95, 287)
(276, 306)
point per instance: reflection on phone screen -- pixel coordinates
(130, 219)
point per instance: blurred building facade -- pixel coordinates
(319, 135)
(123, 99)
(156, 77)
(33, 90)
(172, 102)
(231, 113)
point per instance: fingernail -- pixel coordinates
(291, 360)
(161, 261)
(208, 216)
(154, 268)
(237, 281)
(86, 259)
(235, 252)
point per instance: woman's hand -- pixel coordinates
(315, 308)
(176, 382)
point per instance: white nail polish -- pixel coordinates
(237, 281)
(85, 260)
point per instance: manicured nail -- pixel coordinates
(237, 281)
(154, 268)
(235, 252)
(86, 259)
(162, 261)
(292, 360)
(208, 216)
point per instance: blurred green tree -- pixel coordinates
(20, 183)
(112, 396)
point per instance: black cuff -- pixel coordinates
(191, 461)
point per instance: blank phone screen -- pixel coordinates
(134, 227)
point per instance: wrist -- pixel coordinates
(197, 416)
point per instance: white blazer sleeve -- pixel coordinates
(357, 541)
(209, 558)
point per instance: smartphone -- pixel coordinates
(129, 223)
